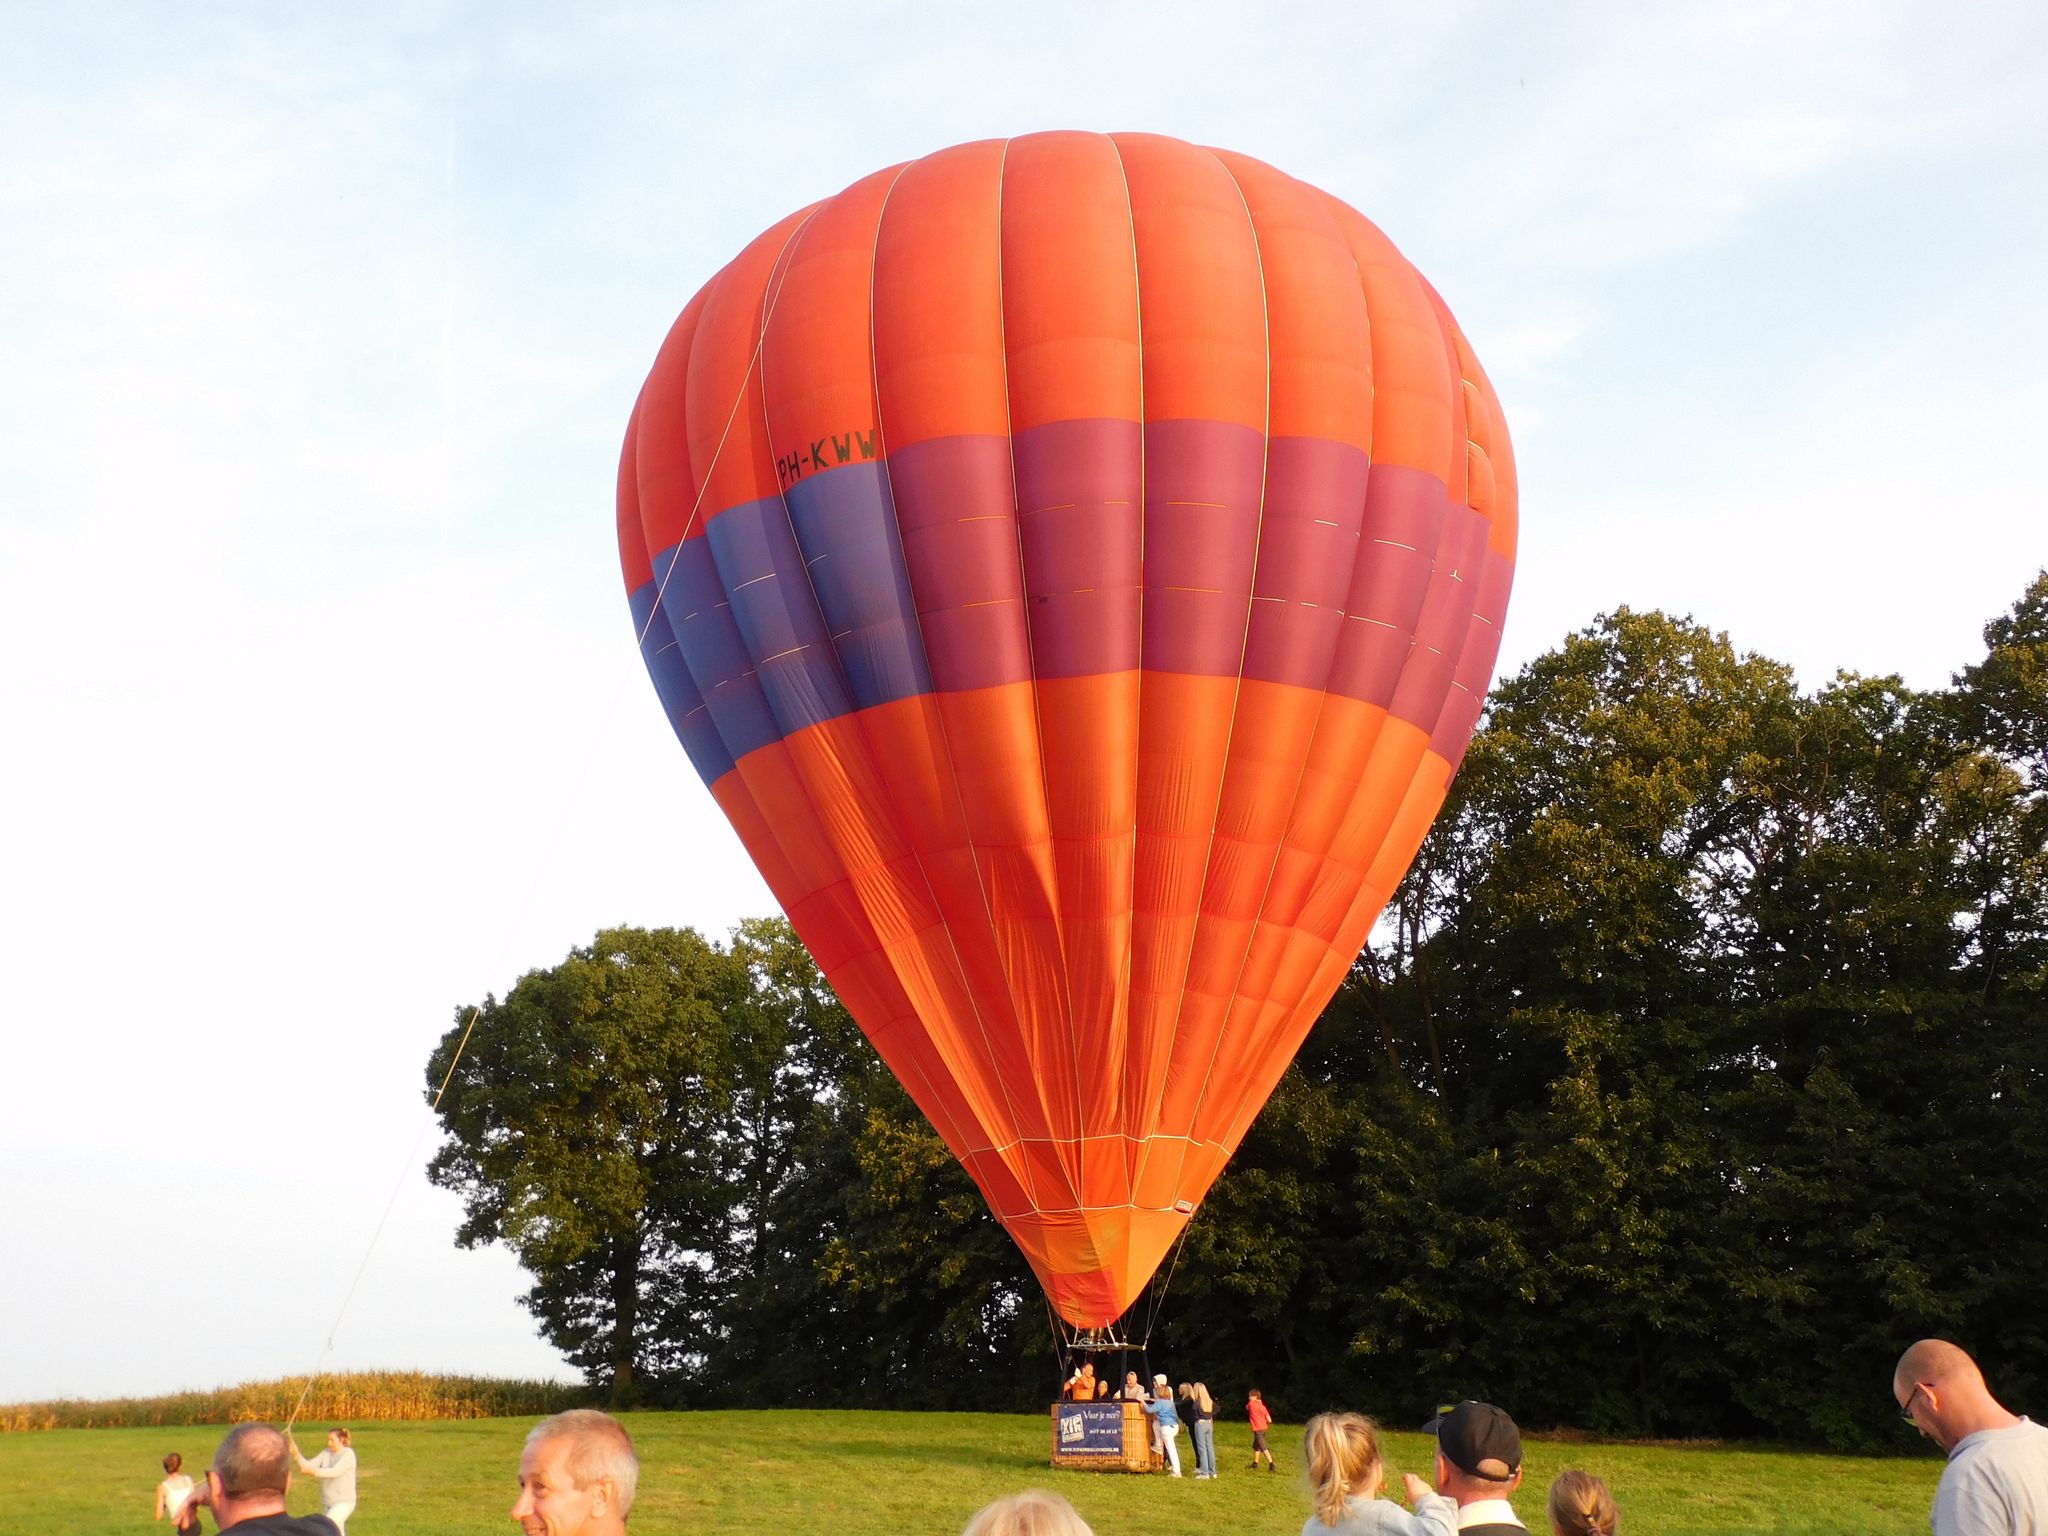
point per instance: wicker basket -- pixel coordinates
(1103, 1437)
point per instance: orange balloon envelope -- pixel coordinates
(1075, 563)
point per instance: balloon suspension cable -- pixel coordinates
(319, 1370)
(1070, 1340)
(1060, 1343)
(1159, 1291)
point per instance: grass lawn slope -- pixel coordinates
(923, 1474)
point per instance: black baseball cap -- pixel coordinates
(1479, 1439)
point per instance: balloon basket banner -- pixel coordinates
(1103, 1437)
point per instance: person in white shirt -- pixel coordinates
(174, 1496)
(336, 1469)
(1996, 1481)
(1478, 1465)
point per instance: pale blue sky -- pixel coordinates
(320, 328)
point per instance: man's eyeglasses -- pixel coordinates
(1906, 1408)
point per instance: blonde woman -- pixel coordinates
(1580, 1505)
(1200, 1412)
(1345, 1471)
(1034, 1512)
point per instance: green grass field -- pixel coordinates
(853, 1473)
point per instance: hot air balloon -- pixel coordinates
(1075, 563)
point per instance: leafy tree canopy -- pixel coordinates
(1698, 1065)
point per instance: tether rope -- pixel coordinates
(319, 1371)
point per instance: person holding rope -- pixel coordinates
(336, 1469)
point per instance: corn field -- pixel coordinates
(353, 1398)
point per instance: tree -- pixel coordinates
(583, 1120)
(1564, 957)
(2003, 699)
(720, 1192)
(1698, 1064)
(857, 1248)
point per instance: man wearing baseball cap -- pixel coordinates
(1478, 1464)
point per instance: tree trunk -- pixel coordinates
(625, 1317)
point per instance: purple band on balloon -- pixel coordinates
(1076, 549)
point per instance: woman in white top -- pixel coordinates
(336, 1469)
(174, 1496)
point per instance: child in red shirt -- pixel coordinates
(1262, 1420)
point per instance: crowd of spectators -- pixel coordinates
(578, 1471)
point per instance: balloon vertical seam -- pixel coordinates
(1025, 1177)
(1076, 1174)
(1244, 641)
(1131, 1155)
(951, 1132)
(1322, 700)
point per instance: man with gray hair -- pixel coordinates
(577, 1476)
(247, 1482)
(1996, 1481)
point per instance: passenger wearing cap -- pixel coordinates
(1478, 1464)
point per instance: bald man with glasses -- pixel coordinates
(1996, 1481)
